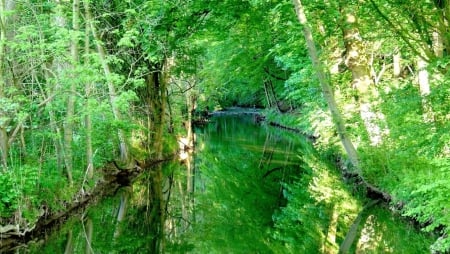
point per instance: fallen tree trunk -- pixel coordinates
(307, 135)
(371, 191)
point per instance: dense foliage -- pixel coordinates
(83, 83)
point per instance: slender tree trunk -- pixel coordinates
(269, 103)
(89, 231)
(7, 79)
(46, 94)
(272, 91)
(60, 67)
(124, 199)
(352, 233)
(169, 112)
(69, 121)
(190, 103)
(124, 153)
(326, 88)
(184, 206)
(69, 243)
(87, 118)
(4, 147)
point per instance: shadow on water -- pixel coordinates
(249, 189)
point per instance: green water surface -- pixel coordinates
(248, 189)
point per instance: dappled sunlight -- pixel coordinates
(372, 239)
(326, 186)
(185, 147)
(314, 119)
(374, 122)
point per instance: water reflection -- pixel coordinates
(250, 189)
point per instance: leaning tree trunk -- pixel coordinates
(124, 153)
(326, 88)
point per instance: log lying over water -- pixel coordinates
(307, 135)
(237, 111)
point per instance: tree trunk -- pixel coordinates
(87, 118)
(190, 104)
(124, 153)
(358, 62)
(157, 86)
(157, 214)
(60, 67)
(4, 147)
(424, 87)
(396, 58)
(326, 88)
(266, 92)
(353, 231)
(124, 199)
(156, 105)
(272, 91)
(69, 244)
(69, 121)
(438, 46)
(7, 79)
(47, 93)
(89, 230)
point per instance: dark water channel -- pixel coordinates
(248, 189)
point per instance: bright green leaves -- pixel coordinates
(125, 99)
(9, 194)
(129, 39)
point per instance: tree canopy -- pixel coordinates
(86, 82)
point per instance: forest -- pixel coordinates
(88, 84)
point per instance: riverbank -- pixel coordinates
(109, 179)
(373, 182)
(368, 188)
(267, 183)
(316, 208)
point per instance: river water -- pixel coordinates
(247, 189)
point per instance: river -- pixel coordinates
(247, 189)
